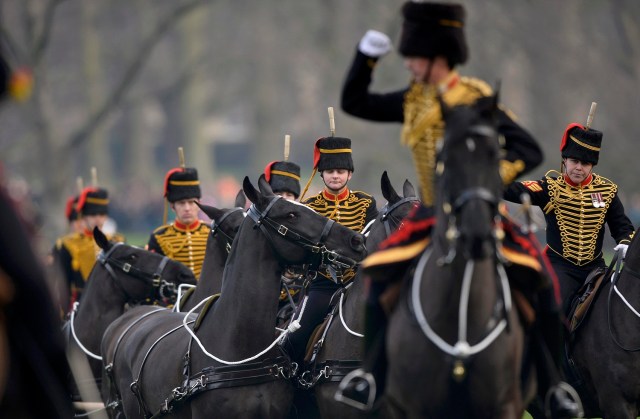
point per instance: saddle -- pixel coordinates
(524, 260)
(581, 303)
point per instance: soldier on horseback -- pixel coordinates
(185, 239)
(577, 204)
(433, 44)
(353, 209)
(284, 178)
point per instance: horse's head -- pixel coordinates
(225, 222)
(392, 214)
(139, 273)
(469, 185)
(300, 235)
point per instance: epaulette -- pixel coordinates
(362, 193)
(481, 86)
(603, 179)
(161, 228)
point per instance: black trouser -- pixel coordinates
(571, 277)
(318, 299)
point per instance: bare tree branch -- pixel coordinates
(42, 40)
(145, 50)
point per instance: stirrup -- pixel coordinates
(578, 409)
(347, 380)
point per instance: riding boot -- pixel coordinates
(363, 386)
(561, 400)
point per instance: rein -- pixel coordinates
(462, 349)
(264, 223)
(216, 228)
(387, 211)
(617, 261)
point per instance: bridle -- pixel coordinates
(386, 214)
(475, 193)
(216, 228)
(462, 348)
(313, 246)
(159, 286)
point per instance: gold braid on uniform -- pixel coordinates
(349, 210)
(509, 170)
(578, 220)
(186, 245)
(83, 251)
(423, 126)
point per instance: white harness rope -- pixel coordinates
(293, 326)
(344, 324)
(462, 348)
(73, 333)
(627, 303)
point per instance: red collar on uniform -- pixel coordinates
(451, 80)
(339, 197)
(87, 232)
(179, 226)
(582, 184)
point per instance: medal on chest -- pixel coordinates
(596, 199)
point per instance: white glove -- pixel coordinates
(623, 249)
(374, 44)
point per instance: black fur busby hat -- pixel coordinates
(93, 201)
(283, 176)
(333, 153)
(432, 29)
(581, 143)
(181, 183)
(70, 210)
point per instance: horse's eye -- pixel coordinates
(133, 257)
(292, 216)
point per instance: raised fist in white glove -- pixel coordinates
(374, 44)
(622, 248)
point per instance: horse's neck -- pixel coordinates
(212, 269)
(376, 236)
(244, 318)
(102, 302)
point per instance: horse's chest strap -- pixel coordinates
(212, 378)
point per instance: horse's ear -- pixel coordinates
(101, 239)
(496, 95)
(241, 200)
(250, 192)
(209, 210)
(408, 189)
(264, 186)
(388, 192)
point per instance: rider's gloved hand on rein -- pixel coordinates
(374, 44)
(623, 249)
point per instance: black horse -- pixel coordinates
(606, 348)
(454, 342)
(234, 368)
(341, 349)
(123, 276)
(225, 223)
(33, 368)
